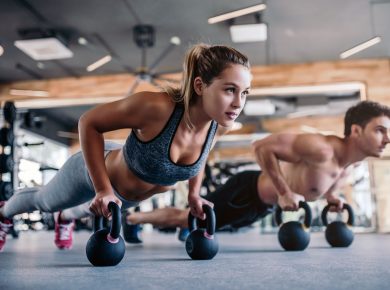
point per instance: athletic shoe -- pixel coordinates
(183, 234)
(131, 233)
(5, 226)
(63, 233)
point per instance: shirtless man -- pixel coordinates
(294, 167)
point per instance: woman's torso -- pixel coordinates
(185, 149)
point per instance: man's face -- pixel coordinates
(375, 136)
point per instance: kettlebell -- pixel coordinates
(338, 233)
(106, 247)
(201, 243)
(293, 235)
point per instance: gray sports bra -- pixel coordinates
(151, 160)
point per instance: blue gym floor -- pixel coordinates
(246, 260)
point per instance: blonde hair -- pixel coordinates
(207, 62)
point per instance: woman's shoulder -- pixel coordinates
(153, 103)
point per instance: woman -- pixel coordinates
(172, 133)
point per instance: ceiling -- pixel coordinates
(299, 31)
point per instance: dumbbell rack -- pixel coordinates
(7, 152)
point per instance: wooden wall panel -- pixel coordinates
(375, 73)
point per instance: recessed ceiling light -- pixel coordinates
(175, 40)
(40, 65)
(82, 41)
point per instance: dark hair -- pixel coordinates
(207, 62)
(362, 113)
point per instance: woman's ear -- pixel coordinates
(198, 86)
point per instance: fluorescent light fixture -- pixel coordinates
(348, 87)
(50, 103)
(259, 108)
(28, 93)
(360, 47)
(1, 50)
(248, 32)
(237, 13)
(242, 137)
(308, 111)
(99, 63)
(44, 48)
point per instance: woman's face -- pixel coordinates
(224, 99)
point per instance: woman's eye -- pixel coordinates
(231, 90)
(244, 94)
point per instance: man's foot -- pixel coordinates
(183, 234)
(5, 226)
(130, 231)
(63, 233)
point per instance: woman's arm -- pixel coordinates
(133, 112)
(195, 202)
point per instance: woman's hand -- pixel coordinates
(99, 205)
(196, 203)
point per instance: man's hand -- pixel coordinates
(290, 201)
(336, 203)
(195, 203)
(99, 205)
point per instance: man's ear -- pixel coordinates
(356, 130)
(198, 86)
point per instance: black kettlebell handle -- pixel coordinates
(210, 220)
(115, 222)
(302, 204)
(351, 216)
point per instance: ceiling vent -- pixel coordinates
(43, 44)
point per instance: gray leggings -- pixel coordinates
(71, 190)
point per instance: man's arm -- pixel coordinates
(332, 195)
(292, 148)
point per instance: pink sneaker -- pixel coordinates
(5, 225)
(63, 233)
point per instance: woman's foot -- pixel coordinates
(5, 226)
(63, 233)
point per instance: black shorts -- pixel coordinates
(237, 202)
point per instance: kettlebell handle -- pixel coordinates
(302, 204)
(351, 216)
(115, 221)
(210, 220)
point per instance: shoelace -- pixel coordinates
(65, 231)
(4, 228)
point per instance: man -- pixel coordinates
(294, 167)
